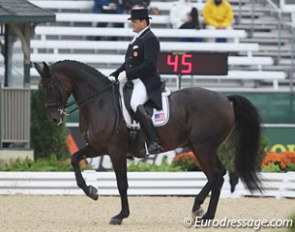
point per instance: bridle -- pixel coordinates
(62, 105)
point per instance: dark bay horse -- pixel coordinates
(199, 118)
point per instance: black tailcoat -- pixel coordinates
(141, 62)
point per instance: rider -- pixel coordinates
(140, 67)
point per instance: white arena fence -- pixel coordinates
(278, 185)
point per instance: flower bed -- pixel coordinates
(186, 161)
(278, 162)
(272, 162)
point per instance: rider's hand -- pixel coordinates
(112, 78)
(122, 76)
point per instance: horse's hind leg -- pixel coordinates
(217, 182)
(200, 198)
(75, 161)
(214, 171)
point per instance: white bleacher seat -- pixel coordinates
(56, 45)
(86, 6)
(94, 18)
(127, 32)
(64, 5)
(288, 6)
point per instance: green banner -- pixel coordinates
(274, 107)
(280, 139)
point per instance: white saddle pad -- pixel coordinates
(159, 117)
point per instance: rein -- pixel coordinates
(64, 109)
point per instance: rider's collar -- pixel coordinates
(140, 33)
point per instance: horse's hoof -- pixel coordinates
(93, 193)
(198, 213)
(115, 221)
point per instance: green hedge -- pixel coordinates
(46, 138)
(48, 164)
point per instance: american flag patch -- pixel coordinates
(159, 117)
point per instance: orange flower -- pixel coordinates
(283, 158)
(188, 157)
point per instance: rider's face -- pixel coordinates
(138, 25)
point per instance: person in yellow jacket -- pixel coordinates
(218, 14)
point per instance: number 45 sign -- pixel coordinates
(193, 63)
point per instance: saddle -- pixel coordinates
(159, 117)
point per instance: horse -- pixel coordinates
(199, 119)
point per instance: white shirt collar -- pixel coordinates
(139, 33)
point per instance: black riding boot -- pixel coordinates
(147, 126)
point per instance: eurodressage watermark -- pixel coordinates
(256, 224)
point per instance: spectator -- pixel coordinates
(218, 14)
(107, 7)
(154, 11)
(183, 15)
(131, 4)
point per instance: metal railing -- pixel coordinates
(276, 7)
(15, 116)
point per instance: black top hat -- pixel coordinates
(139, 14)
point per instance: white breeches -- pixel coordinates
(139, 94)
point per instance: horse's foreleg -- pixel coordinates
(120, 167)
(75, 161)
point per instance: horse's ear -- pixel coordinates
(38, 68)
(46, 70)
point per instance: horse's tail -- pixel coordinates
(246, 139)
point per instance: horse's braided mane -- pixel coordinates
(80, 65)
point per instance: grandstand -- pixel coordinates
(259, 47)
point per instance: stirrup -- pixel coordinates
(153, 149)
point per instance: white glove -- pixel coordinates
(112, 78)
(122, 77)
